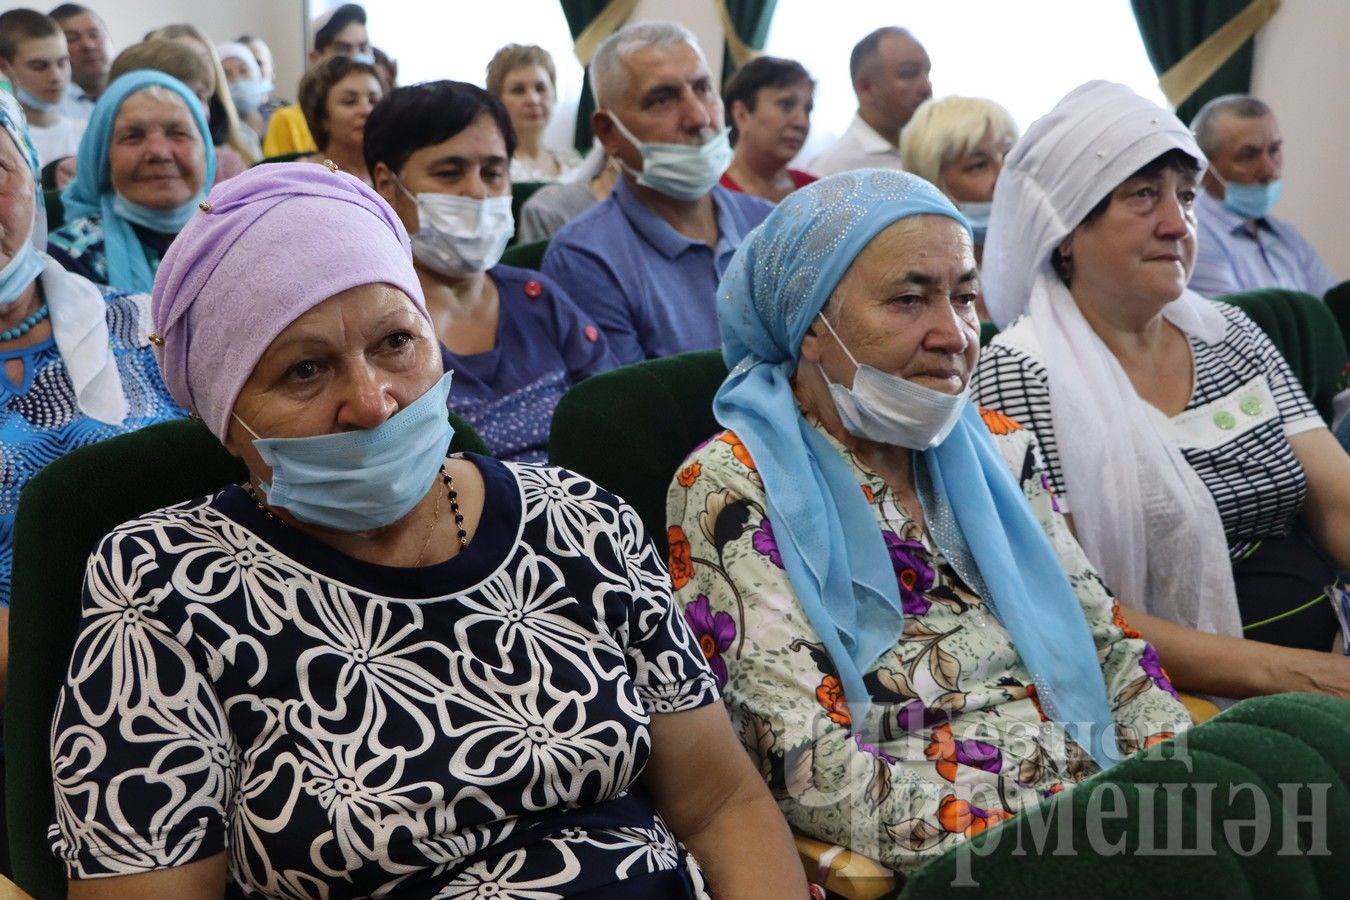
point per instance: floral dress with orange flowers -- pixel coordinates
(956, 741)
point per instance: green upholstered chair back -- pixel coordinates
(520, 192)
(987, 332)
(63, 513)
(526, 256)
(628, 430)
(1241, 766)
(1305, 332)
(1338, 301)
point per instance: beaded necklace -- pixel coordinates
(26, 325)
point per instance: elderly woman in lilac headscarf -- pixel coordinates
(373, 668)
(875, 568)
(78, 367)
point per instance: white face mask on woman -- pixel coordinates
(460, 236)
(889, 409)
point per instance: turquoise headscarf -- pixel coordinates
(833, 551)
(91, 192)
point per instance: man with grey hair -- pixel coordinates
(889, 70)
(645, 262)
(1241, 245)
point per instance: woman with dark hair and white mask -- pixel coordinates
(440, 153)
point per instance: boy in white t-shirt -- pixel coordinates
(33, 56)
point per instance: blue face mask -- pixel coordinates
(681, 171)
(249, 93)
(1251, 201)
(19, 273)
(977, 214)
(361, 480)
(165, 221)
(32, 102)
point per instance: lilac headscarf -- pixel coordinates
(276, 241)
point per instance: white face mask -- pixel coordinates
(889, 409)
(461, 236)
(682, 171)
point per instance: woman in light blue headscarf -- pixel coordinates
(78, 366)
(893, 611)
(145, 163)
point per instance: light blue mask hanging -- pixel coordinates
(361, 480)
(19, 273)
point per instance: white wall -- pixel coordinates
(1302, 70)
(279, 22)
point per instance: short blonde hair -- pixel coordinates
(946, 129)
(517, 56)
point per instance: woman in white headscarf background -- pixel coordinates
(1199, 478)
(78, 366)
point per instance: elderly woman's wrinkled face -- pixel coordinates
(970, 177)
(18, 198)
(156, 156)
(907, 307)
(1141, 250)
(347, 364)
(527, 94)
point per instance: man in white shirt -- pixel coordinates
(33, 57)
(890, 76)
(91, 56)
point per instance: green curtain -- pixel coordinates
(751, 20)
(1170, 29)
(579, 14)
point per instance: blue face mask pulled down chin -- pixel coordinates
(355, 481)
(977, 214)
(681, 171)
(19, 273)
(28, 100)
(165, 221)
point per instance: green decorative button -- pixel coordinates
(1225, 420)
(1250, 405)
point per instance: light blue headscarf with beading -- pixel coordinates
(91, 192)
(832, 548)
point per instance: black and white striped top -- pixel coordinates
(1234, 431)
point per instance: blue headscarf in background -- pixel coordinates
(92, 194)
(780, 278)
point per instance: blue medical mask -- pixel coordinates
(19, 273)
(32, 102)
(361, 480)
(681, 171)
(977, 214)
(166, 221)
(367, 58)
(249, 94)
(1251, 201)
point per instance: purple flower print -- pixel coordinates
(714, 633)
(915, 717)
(979, 755)
(764, 543)
(913, 574)
(872, 749)
(1050, 489)
(1151, 664)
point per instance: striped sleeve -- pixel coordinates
(1014, 383)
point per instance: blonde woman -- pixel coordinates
(524, 79)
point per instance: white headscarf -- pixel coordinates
(1143, 516)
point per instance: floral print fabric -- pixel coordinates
(468, 729)
(963, 743)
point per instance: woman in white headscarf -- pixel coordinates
(1199, 478)
(78, 367)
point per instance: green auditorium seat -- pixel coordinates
(520, 192)
(1198, 792)
(63, 513)
(629, 429)
(1338, 301)
(526, 256)
(1305, 332)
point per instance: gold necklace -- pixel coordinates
(431, 529)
